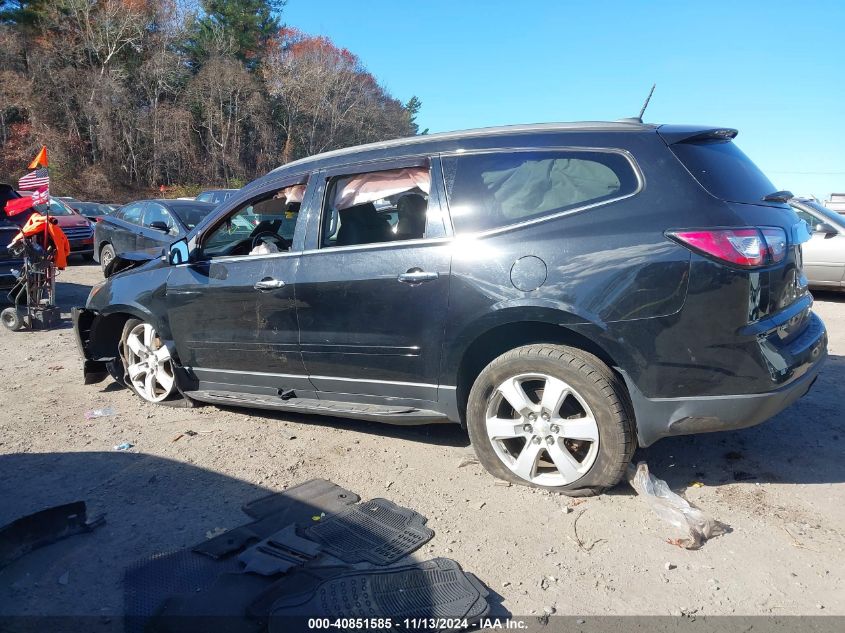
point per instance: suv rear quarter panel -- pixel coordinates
(604, 265)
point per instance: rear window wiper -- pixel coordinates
(778, 196)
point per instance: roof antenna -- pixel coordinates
(647, 99)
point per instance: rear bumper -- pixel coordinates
(664, 417)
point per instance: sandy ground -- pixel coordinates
(783, 554)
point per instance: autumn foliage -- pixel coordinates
(134, 94)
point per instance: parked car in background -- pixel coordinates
(565, 291)
(216, 196)
(94, 211)
(75, 226)
(824, 254)
(146, 225)
(836, 202)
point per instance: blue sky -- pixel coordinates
(774, 70)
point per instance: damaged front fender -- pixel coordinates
(127, 261)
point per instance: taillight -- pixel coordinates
(746, 247)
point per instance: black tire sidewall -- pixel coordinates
(108, 248)
(592, 380)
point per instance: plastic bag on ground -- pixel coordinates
(696, 524)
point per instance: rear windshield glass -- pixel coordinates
(725, 171)
(492, 190)
(192, 215)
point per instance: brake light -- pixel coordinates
(775, 243)
(746, 247)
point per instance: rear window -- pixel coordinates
(492, 190)
(725, 171)
(192, 215)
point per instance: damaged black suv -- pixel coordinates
(565, 291)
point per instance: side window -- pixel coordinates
(491, 190)
(205, 196)
(157, 213)
(132, 212)
(378, 206)
(263, 225)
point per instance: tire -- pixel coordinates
(106, 255)
(575, 431)
(12, 319)
(148, 368)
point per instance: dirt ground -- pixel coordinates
(780, 487)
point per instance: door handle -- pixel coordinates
(269, 284)
(416, 275)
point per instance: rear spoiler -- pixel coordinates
(672, 134)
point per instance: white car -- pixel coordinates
(824, 254)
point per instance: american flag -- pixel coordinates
(35, 180)
(41, 195)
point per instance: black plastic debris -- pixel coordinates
(377, 531)
(436, 590)
(30, 532)
(299, 505)
(279, 553)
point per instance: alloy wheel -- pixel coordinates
(542, 429)
(148, 364)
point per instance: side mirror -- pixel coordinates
(160, 226)
(824, 227)
(178, 253)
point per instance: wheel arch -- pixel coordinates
(493, 339)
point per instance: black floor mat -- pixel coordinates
(301, 505)
(377, 531)
(317, 494)
(150, 582)
(433, 590)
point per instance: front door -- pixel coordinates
(152, 240)
(373, 285)
(233, 311)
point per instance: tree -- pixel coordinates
(325, 98)
(248, 24)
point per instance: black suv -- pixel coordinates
(565, 291)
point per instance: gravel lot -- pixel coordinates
(783, 555)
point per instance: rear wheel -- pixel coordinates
(553, 417)
(106, 256)
(147, 362)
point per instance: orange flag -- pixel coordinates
(40, 160)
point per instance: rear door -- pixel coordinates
(372, 286)
(123, 228)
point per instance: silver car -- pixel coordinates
(824, 254)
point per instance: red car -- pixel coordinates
(79, 231)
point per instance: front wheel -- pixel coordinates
(106, 256)
(553, 417)
(147, 362)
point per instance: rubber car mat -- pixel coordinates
(301, 504)
(319, 494)
(220, 607)
(377, 531)
(279, 553)
(431, 591)
(150, 582)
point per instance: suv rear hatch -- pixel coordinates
(726, 173)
